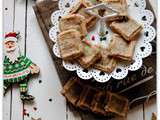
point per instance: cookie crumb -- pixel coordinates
(40, 81)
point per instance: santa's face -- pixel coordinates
(10, 46)
(11, 50)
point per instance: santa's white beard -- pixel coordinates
(12, 54)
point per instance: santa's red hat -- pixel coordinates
(12, 36)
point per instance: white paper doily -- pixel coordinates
(136, 9)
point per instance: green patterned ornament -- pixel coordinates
(17, 69)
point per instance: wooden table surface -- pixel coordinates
(49, 103)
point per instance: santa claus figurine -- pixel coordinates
(17, 68)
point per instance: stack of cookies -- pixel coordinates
(95, 100)
(77, 24)
(74, 47)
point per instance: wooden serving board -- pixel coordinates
(137, 84)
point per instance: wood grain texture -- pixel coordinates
(136, 113)
(149, 108)
(19, 25)
(49, 102)
(154, 4)
(8, 13)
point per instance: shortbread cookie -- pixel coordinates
(90, 55)
(80, 9)
(119, 5)
(128, 29)
(86, 98)
(117, 104)
(107, 63)
(121, 49)
(99, 102)
(74, 21)
(70, 44)
(72, 90)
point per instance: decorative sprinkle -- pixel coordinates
(86, 42)
(104, 38)
(50, 100)
(86, 47)
(28, 114)
(35, 108)
(101, 39)
(40, 81)
(93, 38)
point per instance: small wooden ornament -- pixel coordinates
(17, 67)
